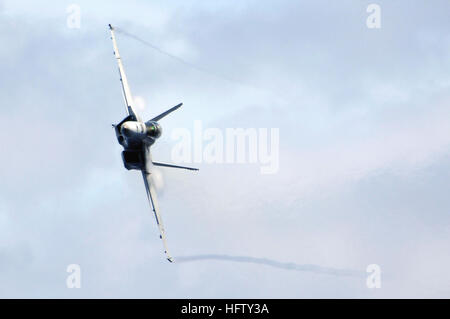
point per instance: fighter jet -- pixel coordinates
(136, 137)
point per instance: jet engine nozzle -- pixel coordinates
(133, 128)
(136, 129)
(153, 129)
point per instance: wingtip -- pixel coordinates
(169, 258)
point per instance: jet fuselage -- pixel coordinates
(133, 136)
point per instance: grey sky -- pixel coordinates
(364, 120)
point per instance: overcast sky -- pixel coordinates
(364, 178)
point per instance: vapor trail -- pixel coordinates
(273, 263)
(189, 64)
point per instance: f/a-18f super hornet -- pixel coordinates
(136, 137)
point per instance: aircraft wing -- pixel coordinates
(153, 201)
(123, 79)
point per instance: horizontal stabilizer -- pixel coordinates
(160, 116)
(175, 166)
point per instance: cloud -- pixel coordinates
(363, 118)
